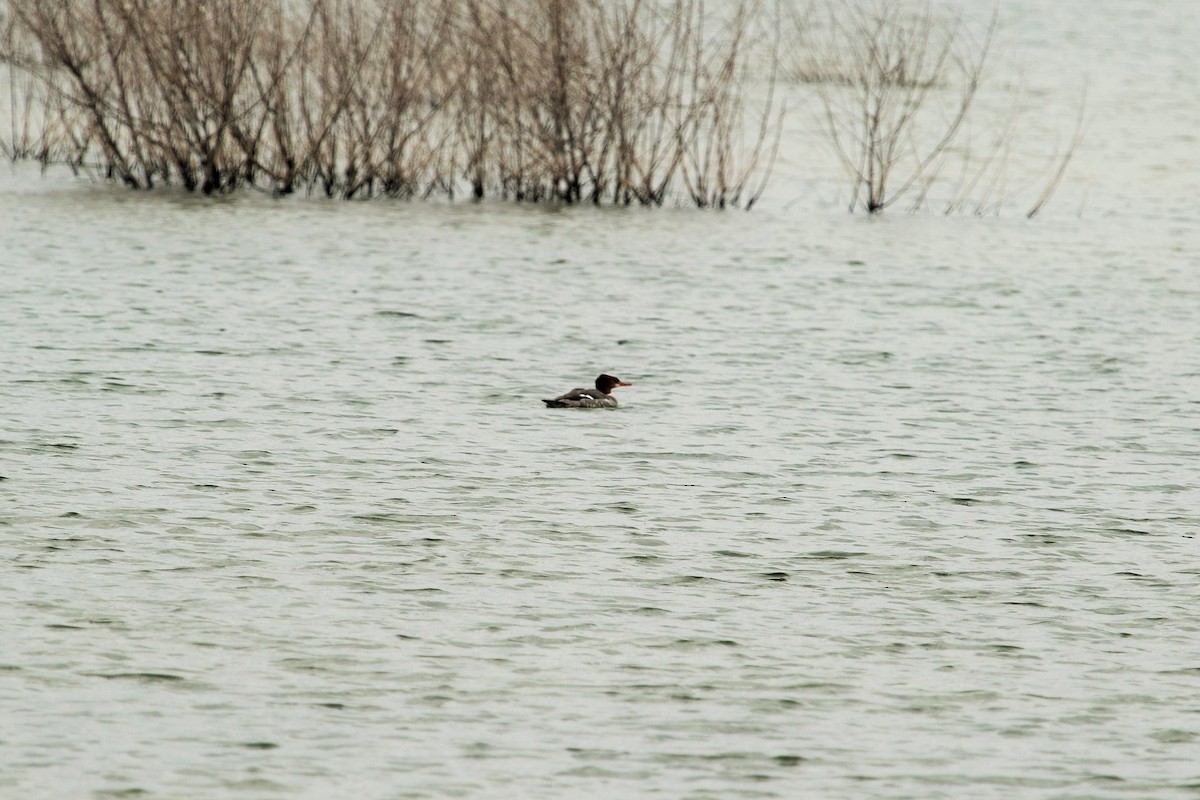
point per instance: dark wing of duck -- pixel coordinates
(572, 399)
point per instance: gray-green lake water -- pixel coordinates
(896, 508)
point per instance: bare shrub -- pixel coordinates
(1060, 161)
(898, 89)
(570, 101)
(719, 160)
(898, 85)
(621, 101)
(159, 84)
(369, 83)
(32, 106)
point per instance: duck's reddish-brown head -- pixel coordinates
(606, 383)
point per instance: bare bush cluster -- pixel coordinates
(572, 101)
(897, 86)
(622, 101)
(892, 67)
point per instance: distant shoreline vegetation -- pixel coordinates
(624, 102)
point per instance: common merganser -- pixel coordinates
(599, 397)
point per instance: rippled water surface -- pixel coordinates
(896, 508)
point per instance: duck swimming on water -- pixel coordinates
(600, 397)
